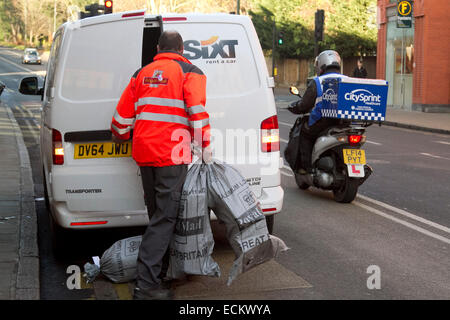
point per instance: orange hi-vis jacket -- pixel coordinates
(165, 101)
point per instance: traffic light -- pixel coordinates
(280, 38)
(108, 6)
(92, 10)
(319, 20)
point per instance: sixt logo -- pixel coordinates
(362, 95)
(330, 95)
(210, 49)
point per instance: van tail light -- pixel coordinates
(270, 135)
(58, 150)
(354, 139)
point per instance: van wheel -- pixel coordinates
(60, 237)
(270, 221)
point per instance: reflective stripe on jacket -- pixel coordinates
(316, 113)
(165, 101)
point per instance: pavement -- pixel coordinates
(19, 254)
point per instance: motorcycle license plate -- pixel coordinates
(102, 150)
(354, 156)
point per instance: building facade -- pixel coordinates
(415, 61)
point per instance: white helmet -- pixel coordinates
(327, 59)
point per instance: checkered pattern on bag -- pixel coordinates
(329, 113)
(360, 115)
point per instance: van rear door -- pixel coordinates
(101, 55)
(239, 96)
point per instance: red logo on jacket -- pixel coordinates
(156, 79)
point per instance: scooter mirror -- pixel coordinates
(294, 90)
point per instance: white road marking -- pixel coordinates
(443, 142)
(12, 52)
(401, 212)
(433, 156)
(16, 65)
(13, 73)
(373, 142)
(32, 130)
(407, 224)
(39, 73)
(377, 161)
(405, 213)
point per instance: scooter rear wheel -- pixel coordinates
(347, 192)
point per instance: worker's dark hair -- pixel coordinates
(170, 40)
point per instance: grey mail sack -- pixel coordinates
(235, 204)
(193, 242)
(118, 263)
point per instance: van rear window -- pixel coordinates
(100, 60)
(223, 53)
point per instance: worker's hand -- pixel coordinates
(207, 155)
(117, 140)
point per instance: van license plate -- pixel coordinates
(354, 156)
(102, 150)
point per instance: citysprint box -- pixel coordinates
(353, 98)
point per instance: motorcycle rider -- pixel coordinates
(328, 65)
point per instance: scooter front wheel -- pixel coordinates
(300, 182)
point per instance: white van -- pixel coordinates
(92, 61)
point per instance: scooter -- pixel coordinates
(338, 162)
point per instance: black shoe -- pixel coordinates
(152, 294)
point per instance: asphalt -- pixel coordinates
(19, 254)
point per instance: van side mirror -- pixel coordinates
(293, 90)
(29, 86)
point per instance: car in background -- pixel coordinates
(31, 55)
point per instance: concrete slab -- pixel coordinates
(269, 276)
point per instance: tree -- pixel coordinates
(349, 26)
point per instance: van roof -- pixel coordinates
(167, 17)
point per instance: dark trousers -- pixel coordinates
(309, 135)
(162, 192)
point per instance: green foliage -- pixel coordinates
(349, 26)
(23, 21)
